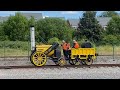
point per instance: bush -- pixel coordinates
(110, 39)
(53, 40)
(15, 45)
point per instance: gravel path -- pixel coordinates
(62, 73)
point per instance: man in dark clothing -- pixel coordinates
(86, 44)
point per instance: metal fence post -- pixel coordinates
(4, 50)
(28, 47)
(113, 52)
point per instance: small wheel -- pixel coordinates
(56, 63)
(89, 61)
(77, 61)
(55, 60)
(62, 62)
(71, 62)
(83, 62)
(38, 59)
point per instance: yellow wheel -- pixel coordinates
(62, 62)
(38, 59)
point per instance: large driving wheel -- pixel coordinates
(38, 59)
(62, 62)
(89, 61)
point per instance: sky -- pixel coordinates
(66, 14)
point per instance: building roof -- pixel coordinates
(35, 15)
(3, 18)
(103, 21)
(57, 17)
(73, 22)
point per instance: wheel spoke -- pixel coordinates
(39, 59)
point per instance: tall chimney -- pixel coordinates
(32, 34)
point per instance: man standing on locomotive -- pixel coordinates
(65, 47)
(75, 44)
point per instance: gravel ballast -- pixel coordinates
(23, 61)
(61, 73)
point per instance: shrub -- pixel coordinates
(53, 40)
(15, 45)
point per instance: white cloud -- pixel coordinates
(45, 16)
(69, 12)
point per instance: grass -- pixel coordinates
(108, 50)
(13, 52)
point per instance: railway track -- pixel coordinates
(66, 66)
(54, 66)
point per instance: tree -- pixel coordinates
(31, 22)
(110, 39)
(53, 27)
(2, 34)
(89, 27)
(108, 14)
(16, 27)
(113, 26)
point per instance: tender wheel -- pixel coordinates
(56, 62)
(77, 61)
(71, 62)
(62, 62)
(89, 61)
(38, 59)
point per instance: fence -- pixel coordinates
(14, 49)
(21, 49)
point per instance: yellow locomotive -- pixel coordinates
(77, 56)
(41, 53)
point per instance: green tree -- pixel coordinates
(113, 26)
(53, 27)
(108, 14)
(110, 39)
(16, 27)
(89, 27)
(31, 22)
(2, 33)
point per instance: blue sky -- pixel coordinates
(66, 14)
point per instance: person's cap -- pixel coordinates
(63, 40)
(74, 40)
